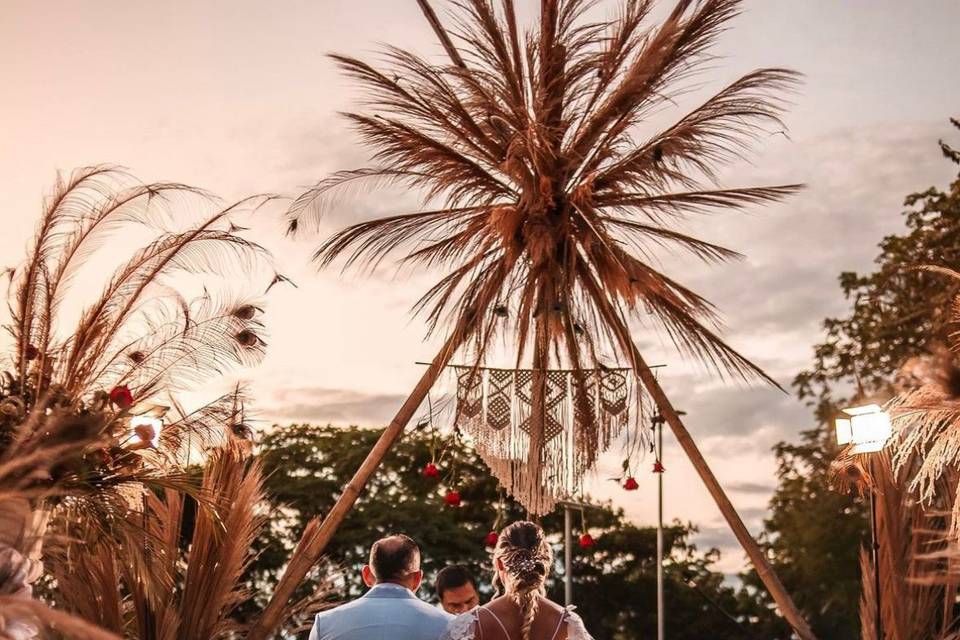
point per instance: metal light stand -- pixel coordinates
(875, 549)
(658, 427)
(568, 546)
(567, 556)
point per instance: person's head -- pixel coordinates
(522, 560)
(394, 559)
(457, 590)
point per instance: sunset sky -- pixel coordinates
(238, 97)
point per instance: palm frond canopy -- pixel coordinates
(547, 189)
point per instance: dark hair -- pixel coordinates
(394, 557)
(452, 577)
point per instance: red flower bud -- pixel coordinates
(586, 541)
(121, 396)
(491, 539)
(452, 498)
(431, 471)
(630, 484)
(658, 467)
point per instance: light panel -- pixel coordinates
(867, 428)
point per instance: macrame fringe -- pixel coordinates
(584, 411)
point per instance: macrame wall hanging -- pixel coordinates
(541, 454)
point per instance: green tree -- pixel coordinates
(898, 311)
(308, 465)
(814, 533)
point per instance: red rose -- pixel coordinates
(658, 467)
(452, 498)
(630, 484)
(431, 471)
(491, 539)
(121, 396)
(586, 541)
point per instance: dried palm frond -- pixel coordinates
(135, 346)
(909, 536)
(916, 590)
(548, 189)
(926, 414)
(142, 338)
(21, 618)
(917, 507)
(34, 470)
(205, 571)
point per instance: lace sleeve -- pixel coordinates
(463, 627)
(575, 628)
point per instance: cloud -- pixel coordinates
(721, 410)
(341, 407)
(751, 488)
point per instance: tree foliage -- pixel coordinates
(897, 311)
(306, 467)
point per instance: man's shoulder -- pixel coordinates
(430, 610)
(363, 606)
(416, 618)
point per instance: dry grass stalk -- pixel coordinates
(926, 415)
(31, 472)
(154, 585)
(911, 543)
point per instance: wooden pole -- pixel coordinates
(764, 570)
(445, 40)
(317, 535)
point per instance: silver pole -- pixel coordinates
(567, 556)
(875, 544)
(660, 625)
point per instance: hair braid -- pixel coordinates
(526, 557)
(529, 604)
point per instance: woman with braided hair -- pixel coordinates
(520, 611)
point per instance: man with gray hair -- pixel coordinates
(390, 610)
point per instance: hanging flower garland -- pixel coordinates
(586, 541)
(491, 539)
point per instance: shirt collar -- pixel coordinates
(389, 590)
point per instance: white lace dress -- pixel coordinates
(464, 626)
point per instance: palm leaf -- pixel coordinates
(524, 151)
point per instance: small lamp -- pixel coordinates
(867, 428)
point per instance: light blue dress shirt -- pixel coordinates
(386, 612)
